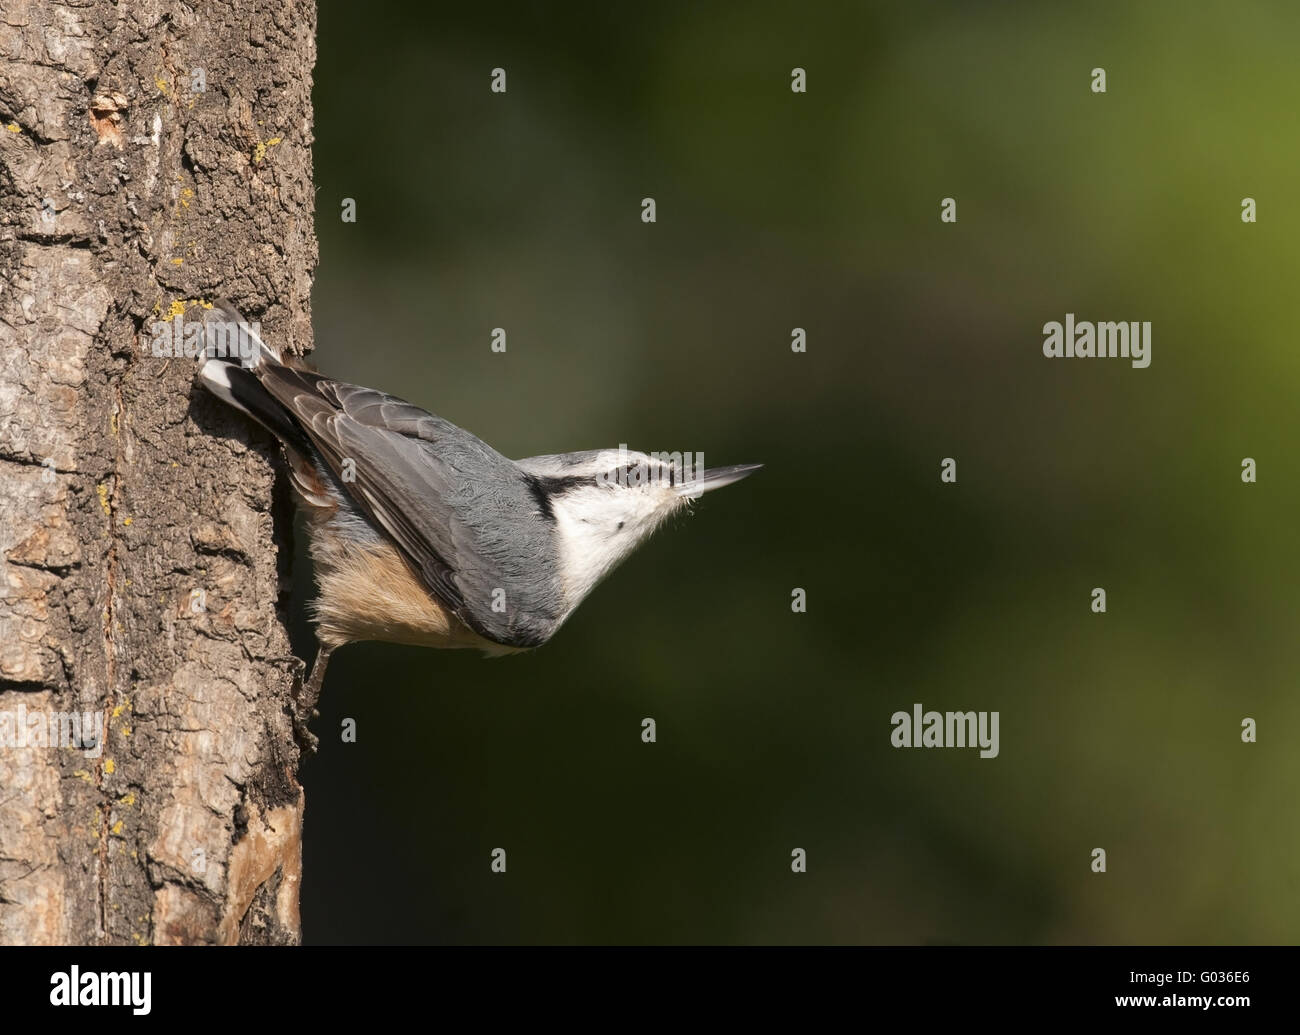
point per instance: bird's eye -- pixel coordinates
(620, 526)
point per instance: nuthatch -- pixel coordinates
(422, 533)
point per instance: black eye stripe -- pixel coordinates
(557, 485)
(650, 473)
(633, 474)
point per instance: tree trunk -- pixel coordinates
(152, 153)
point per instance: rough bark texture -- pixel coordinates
(140, 576)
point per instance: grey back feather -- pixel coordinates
(464, 516)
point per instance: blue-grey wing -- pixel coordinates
(465, 517)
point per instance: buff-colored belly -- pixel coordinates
(370, 593)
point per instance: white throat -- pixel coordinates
(594, 533)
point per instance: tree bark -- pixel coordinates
(140, 574)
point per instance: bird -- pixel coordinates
(419, 531)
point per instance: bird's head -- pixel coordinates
(604, 503)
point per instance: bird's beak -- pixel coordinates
(715, 478)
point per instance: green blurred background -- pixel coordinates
(776, 210)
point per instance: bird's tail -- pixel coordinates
(233, 359)
(230, 337)
(234, 363)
